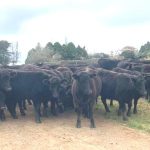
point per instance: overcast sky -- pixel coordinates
(99, 25)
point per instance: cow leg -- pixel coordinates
(123, 107)
(20, 103)
(37, 105)
(91, 109)
(135, 106)
(45, 109)
(119, 110)
(129, 108)
(105, 105)
(2, 115)
(78, 124)
(85, 111)
(111, 102)
(29, 102)
(53, 108)
(60, 107)
(24, 105)
(12, 109)
(148, 95)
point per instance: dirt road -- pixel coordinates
(59, 133)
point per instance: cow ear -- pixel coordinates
(46, 81)
(75, 76)
(93, 75)
(13, 74)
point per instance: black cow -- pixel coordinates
(28, 85)
(122, 87)
(56, 81)
(5, 86)
(136, 94)
(125, 64)
(85, 89)
(108, 63)
(145, 70)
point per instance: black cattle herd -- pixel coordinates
(54, 89)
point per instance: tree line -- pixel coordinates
(144, 52)
(57, 51)
(8, 53)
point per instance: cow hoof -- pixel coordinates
(25, 108)
(38, 121)
(129, 114)
(45, 113)
(3, 119)
(55, 114)
(15, 117)
(75, 109)
(135, 112)
(78, 125)
(108, 111)
(125, 119)
(23, 114)
(92, 126)
(61, 109)
(119, 113)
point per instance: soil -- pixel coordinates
(60, 133)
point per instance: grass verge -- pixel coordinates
(140, 121)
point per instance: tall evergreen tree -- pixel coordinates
(4, 52)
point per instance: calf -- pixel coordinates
(85, 89)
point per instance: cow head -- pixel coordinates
(5, 81)
(83, 82)
(139, 83)
(54, 84)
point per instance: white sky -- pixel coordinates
(100, 26)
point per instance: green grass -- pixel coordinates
(140, 121)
